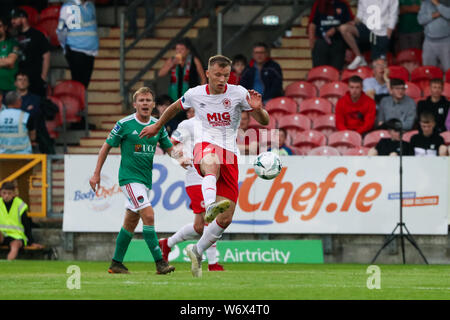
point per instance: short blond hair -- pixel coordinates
(222, 61)
(143, 90)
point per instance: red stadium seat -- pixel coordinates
(445, 91)
(324, 151)
(325, 124)
(73, 107)
(51, 12)
(333, 91)
(399, 72)
(315, 107)
(362, 72)
(281, 106)
(309, 139)
(446, 136)
(413, 91)
(322, 74)
(407, 135)
(409, 58)
(343, 140)
(33, 14)
(294, 124)
(357, 151)
(422, 75)
(73, 88)
(300, 90)
(49, 25)
(371, 139)
(53, 126)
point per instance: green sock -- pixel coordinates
(122, 242)
(152, 241)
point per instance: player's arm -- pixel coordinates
(254, 99)
(102, 155)
(153, 129)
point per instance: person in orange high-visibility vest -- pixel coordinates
(15, 225)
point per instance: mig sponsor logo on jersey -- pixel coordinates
(218, 119)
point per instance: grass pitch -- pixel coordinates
(25, 279)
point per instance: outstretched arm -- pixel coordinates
(153, 129)
(102, 155)
(258, 113)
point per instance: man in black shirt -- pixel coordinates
(436, 103)
(428, 141)
(35, 52)
(15, 225)
(391, 146)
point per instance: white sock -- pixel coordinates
(209, 189)
(211, 254)
(210, 236)
(186, 232)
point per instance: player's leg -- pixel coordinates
(14, 247)
(123, 241)
(151, 239)
(212, 257)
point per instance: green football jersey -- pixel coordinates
(137, 154)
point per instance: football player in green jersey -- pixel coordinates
(135, 177)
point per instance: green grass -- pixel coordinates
(25, 279)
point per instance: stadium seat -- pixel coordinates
(446, 136)
(51, 12)
(362, 72)
(294, 124)
(422, 75)
(73, 107)
(72, 88)
(409, 58)
(253, 124)
(315, 107)
(413, 91)
(345, 139)
(357, 151)
(398, 72)
(49, 25)
(324, 151)
(33, 14)
(281, 106)
(321, 75)
(309, 139)
(445, 92)
(333, 91)
(325, 124)
(371, 139)
(407, 135)
(300, 90)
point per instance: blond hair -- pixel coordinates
(143, 90)
(222, 61)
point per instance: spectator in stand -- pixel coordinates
(15, 225)
(409, 32)
(17, 131)
(31, 103)
(247, 139)
(79, 40)
(35, 52)
(376, 87)
(326, 42)
(161, 104)
(428, 142)
(186, 69)
(391, 146)
(434, 16)
(364, 30)
(132, 18)
(282, 149)
(237, 67)
(9, 52)
(398, 106)
(355, 110)
(263, 74)
(436, 103)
